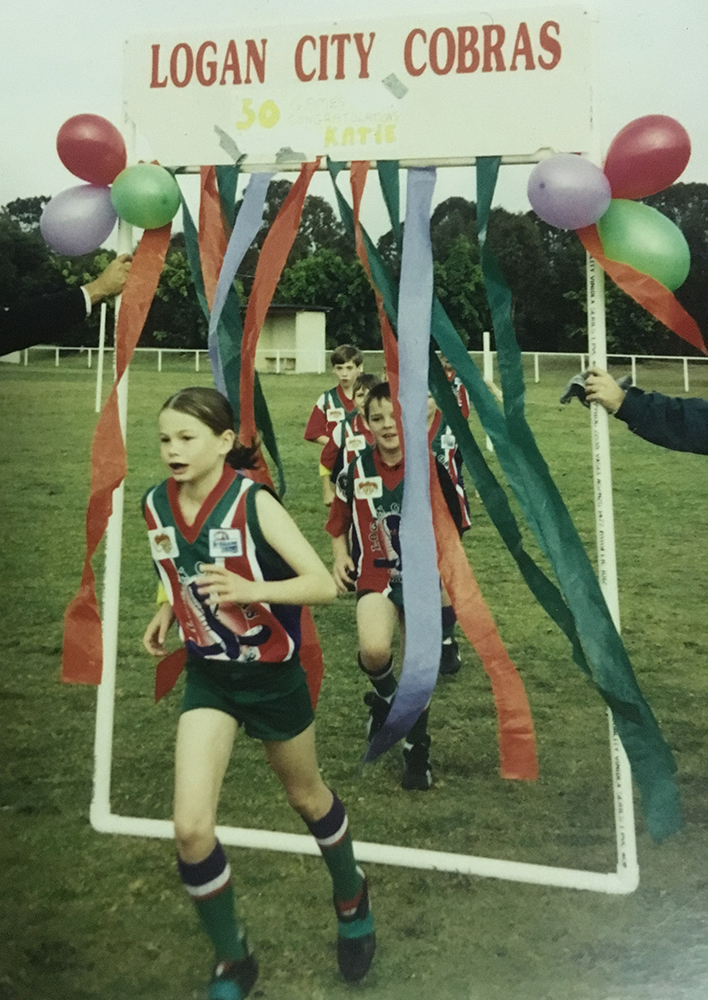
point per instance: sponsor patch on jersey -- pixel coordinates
(335, 414)
(357, 443)
(367, 489)
(225, 542)
(163, 543)
(448, 442)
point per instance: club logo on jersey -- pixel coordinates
(366, 489)
(448, 442)
(225, 542)
(335, 414)
(163, 543)
(356, 443)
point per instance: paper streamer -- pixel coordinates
(212, 239)
(421, 583)
(517, 743)
(649, 293)
(248, 223)
(605, 657)
(82, 656)
(274, 254)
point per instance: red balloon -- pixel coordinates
(92, 149)
(647, 156)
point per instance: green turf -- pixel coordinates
(88, 916)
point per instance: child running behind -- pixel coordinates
(364, 522)
(237, 571)
(333, 405)
(352, 435)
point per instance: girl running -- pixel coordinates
(237, 571)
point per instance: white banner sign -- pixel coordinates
(435, 87)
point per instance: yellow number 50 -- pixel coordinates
(268, 115)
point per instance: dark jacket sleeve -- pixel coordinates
(672, 422)
(44, 319)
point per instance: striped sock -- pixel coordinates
(383, 681)
(208, 882)
(449, 620)
(335, 842)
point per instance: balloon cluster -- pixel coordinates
(78, 220)
(645, 157)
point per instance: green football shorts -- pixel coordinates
(270, 700)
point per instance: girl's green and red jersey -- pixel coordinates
(227, 532)
(330, 409)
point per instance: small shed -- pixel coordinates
(292, 340)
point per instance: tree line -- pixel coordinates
(544, 267)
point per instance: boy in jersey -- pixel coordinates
(333, 406)
(352, 435)
(367, 504)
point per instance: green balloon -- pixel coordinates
(145, 195)
(635, 234)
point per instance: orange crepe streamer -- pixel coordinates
(649, 293)
(167, 672)
(517, 743)
(212, 237)
(271, 262)
(82, 656)
(357, 175)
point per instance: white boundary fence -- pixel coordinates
(283, 356)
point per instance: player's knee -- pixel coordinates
(309, 799)
(374, 656)
(194, 835)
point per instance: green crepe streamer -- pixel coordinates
(230, 333)
(652, 762)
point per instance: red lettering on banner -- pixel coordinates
(255, 59)
(408, 52)
(154, 82)
(188, 64)
(551, 45)
(206, 81)
(340, 41)
(231, 65)
(323, 57)
(467, 51)
(364, 53)
(493, 47)
(299, 69)
(444, 69)
(522, 47)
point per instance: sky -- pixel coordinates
(59, 58)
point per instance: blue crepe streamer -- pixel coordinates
(421, 583)
(248, 221)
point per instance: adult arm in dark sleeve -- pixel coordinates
(672, 422)
(39, 320)
(49, 318)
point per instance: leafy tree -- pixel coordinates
(324, 279)
(175, 318)
(25, 261)
(27, 211)
(460, 287)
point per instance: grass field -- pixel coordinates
(86, 916)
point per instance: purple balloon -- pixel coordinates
(78, 220)
(568, 191)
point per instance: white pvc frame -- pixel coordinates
(624, 879)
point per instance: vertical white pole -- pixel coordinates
(159, 360)
(26, 356)
(101, 350)
(56, 357)
(582, 362)
(88, 361)
(536, 373)
(627, 866)
(103, 741)
(685, 374)
(634, 369)
(196, 361)
(487, 369)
